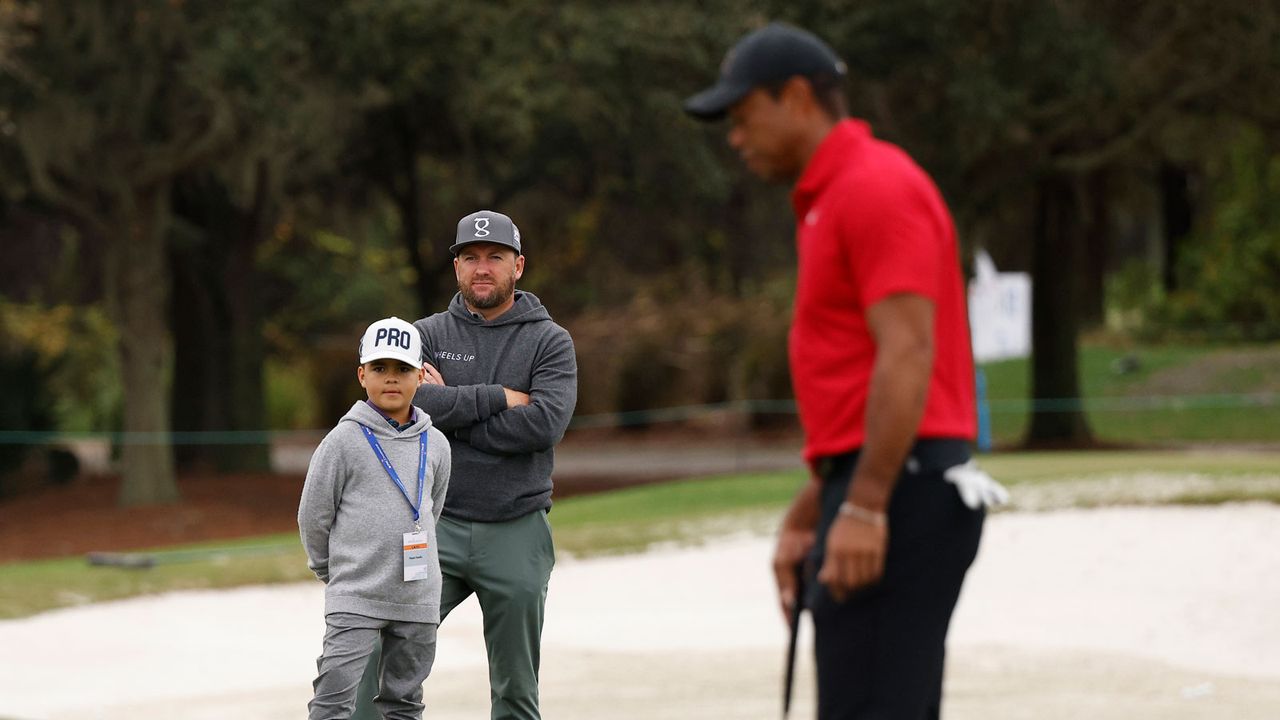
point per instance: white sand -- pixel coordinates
(1115, 613)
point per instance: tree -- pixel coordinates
(106, 115)
(217, 330)
(109, 103)
(446, 96)
(1227, 279)
(289, 123)
(564, 115)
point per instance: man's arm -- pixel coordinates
(432, 376)
(539, 424)
(456, 406)
(902, 326)
(453, 407)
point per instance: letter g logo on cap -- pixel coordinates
(482, 227)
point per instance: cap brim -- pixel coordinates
(454, 248)
(406, 359)
(714, 102)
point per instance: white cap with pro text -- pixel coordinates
(394, 339)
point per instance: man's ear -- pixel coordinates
(360, 374)
(797, 93)
(519, 266)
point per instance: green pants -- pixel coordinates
(507, 565)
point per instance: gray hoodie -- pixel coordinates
(352, 516)
(502, 457)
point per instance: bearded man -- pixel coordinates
(501, 383)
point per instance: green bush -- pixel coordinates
(292, 402)
(1229, 272)
(693, 349)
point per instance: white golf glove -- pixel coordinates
(977, 489)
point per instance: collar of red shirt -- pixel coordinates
(830, 157)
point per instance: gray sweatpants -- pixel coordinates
(408, 650)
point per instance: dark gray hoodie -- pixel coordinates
(502, 457)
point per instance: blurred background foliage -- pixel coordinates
(202, 204)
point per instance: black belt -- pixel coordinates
(931, 455)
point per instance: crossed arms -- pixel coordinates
(504, 421)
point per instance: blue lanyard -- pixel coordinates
(386, 464)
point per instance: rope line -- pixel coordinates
(630, 418)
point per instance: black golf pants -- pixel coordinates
(880, 653)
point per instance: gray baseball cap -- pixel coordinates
(769, 55)
(487, 226)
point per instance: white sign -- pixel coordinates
(999, 312)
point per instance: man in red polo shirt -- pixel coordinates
(883, 377)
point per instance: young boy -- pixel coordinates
(367, 517)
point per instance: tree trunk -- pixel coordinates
(138, 292)
(1095, 232)
(246, 398)
(218, 323)
(1176, 209)
(199, 352)
(1058, 419)
(409, 202)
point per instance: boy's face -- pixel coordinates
(390, 384)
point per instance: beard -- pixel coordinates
(503, 288)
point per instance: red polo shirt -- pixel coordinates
(870, 224)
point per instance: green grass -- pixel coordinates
(1026, 467)
(635, 518)
(1210, 411)
(623, 521)
(30, 587)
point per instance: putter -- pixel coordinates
(797, 607)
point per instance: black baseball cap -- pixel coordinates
(772, 54)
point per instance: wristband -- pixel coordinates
(862, 514)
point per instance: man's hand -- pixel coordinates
(794, 545)
(515, 398)
(433, 375)
(854, 555)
